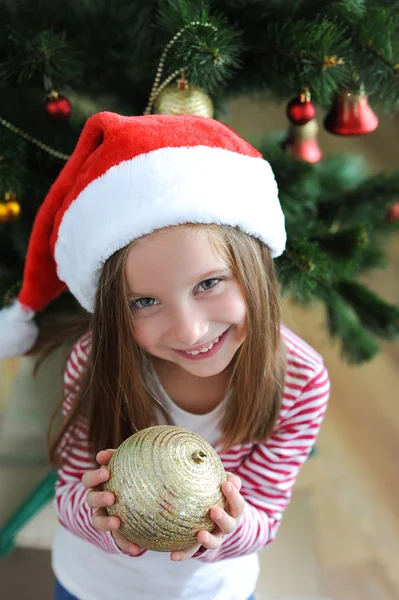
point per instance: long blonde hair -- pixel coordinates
(115, 370)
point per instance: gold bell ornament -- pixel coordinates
(302, 142)
(165, 480)
(182, 98)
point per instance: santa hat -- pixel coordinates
(127, 177)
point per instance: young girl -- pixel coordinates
(164, 228)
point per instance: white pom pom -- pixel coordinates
(18, 331)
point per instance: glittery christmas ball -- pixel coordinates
(165, 480)
(183, 100)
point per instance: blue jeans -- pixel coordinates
(62, 594)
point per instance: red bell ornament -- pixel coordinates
(303, 143)
(300, 109)
(351, 115)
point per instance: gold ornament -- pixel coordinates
(165, 480)
(10, 209)
(14, 210)
(4, 217)
(182, 98)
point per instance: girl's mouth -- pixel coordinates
(205, 353)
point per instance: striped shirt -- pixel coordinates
(267, 470)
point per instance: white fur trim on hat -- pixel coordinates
(18, 330)
(164, 187)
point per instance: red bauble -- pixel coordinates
(351, 115)
(302, 142)
(58, 107)
(392, 213)
(300, 110)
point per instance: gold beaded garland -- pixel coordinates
(33, 140)
(157, 86)
(165, 480)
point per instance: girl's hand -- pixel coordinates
(99, 499)
(225, 520)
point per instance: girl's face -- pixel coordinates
(185, 298)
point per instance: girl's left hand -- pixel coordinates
(225, 520)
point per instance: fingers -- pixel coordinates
(236, 502)
(124, 544)
(92, 479)
(184, 554)
(103, 522)
(234, 479)
(104, 456)
(100, 499)
(224, 521)
(210, 541)
(95, 478)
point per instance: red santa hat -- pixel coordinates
(127, 177)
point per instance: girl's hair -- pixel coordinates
(112, 395)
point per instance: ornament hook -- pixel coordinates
(199, 456)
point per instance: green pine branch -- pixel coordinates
(104, 56)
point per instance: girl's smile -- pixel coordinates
(206, 350)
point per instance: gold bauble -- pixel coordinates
(187, 100)
(165, 480)
(4, 216)
(13, 209)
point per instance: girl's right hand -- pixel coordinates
(98, 499)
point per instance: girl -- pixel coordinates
(164, 228)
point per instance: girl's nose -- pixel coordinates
(190, 328)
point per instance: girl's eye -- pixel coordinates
(207, 284)
(140, 303)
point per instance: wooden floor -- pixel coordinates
(340, 535)
(339, 539)
(348, 494)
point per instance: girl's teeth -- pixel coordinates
(195, 352)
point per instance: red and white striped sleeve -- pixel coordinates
(268, 471)
(71, 507)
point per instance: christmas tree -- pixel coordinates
(62, 61)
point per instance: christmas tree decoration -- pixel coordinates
(182, 98)
(4, 215)
(10, 209)
(233, 51)
(165, 480)
(332, 61)
(300, 110)
(392, 213)
(303, 143)
(13, 210)
(25, 136)
(57, 107)
(351, 114)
